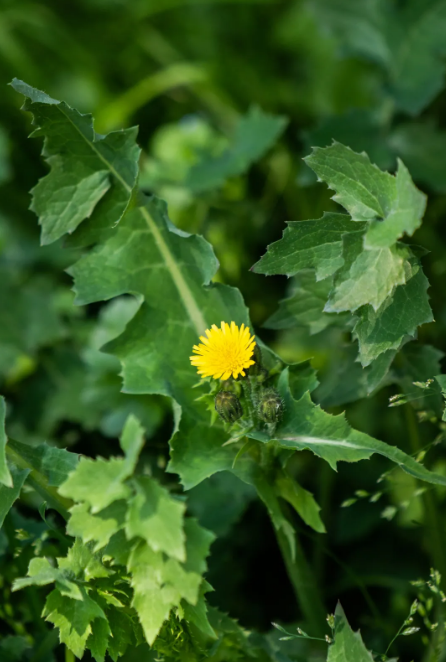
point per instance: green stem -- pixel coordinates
(303, 583)
(40, 483)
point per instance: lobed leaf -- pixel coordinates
(90, 176)
(348, 645)
(101, 482)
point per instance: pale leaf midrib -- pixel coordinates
(186, 295)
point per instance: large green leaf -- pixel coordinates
(306, 426)
(255, 134)
(90, 175)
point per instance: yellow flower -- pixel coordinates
(225, 352)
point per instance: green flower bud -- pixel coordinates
(228, 406)
(270, 407)
(256, 369)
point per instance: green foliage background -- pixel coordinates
(193, 75)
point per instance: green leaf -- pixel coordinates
(101, 482)
(54, 463)
(157, 517)
(5, 474)
(307, 426)
(269, 494)
(348, 645)
(396, 320)
(308, 244)
(368, 276)
(74, 618)
(8, 495)
(98, 640)
(305, 306)
(41, 573)
(302, 501)
(99, 527)
(255, 134)
(369, 194)
(91, 175)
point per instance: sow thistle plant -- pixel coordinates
(134, 569)
(230, 352)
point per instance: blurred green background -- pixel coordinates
(368, 73)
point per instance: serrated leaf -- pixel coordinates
(5, 474)
(395, 321)
(97, 642)
(41, 573)
(101, 482)
(256, 133)
(309, 244)
(160, 584)
(307, 426)
(157, 517)
(8, 495)
(369, 194)
(348, 645)
(368, 276)
(198, 614)
(82, 563)
(86, 168)
(74, 618)
(99, 527)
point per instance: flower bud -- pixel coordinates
(228, 406)
(270, 407)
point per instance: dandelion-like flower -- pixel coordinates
(226, 351)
